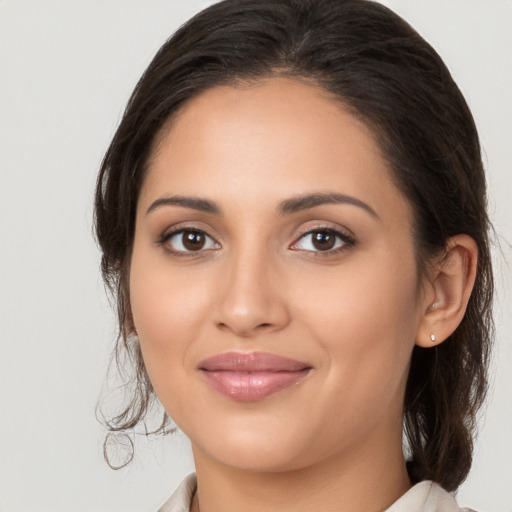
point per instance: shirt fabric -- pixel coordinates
(425, 496)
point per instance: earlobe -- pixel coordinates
(452, 281)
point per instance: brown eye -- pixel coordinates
(189, 240)
(193, 240)
(323, 240)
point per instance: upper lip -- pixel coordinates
(252, 362)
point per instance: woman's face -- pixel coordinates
(273, 280)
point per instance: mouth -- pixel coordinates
(251, 377)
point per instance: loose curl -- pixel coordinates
(386, 74)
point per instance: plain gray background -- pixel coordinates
(67, 68)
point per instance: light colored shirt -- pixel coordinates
(425, 496)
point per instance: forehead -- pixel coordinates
(270, 139)
(257, 111)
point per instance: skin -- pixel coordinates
(353, 313)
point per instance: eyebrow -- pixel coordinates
(296, 204)
(286, 207)
(195, 203)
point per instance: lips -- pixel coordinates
(253, 376)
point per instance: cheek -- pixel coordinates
(167, 308)
(365, 317)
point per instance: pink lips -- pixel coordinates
(253, 376)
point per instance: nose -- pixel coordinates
(252, 300)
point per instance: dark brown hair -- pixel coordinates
(392, 79)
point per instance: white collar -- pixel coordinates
(425, 496)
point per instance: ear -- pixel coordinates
(448, 290)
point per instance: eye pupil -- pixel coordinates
(193, 240)
(323, 240)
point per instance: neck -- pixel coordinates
(353, 482)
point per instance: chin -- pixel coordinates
(259, 460)
(257, 447)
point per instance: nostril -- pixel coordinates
(245, 330)
(246, 318)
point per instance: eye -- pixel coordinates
(188, 241)
(323, 240)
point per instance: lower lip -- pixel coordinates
(252, 386)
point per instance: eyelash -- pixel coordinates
(166, 237)
(347, 241)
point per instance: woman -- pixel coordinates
(292, 215)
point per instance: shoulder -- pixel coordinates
(427, 496)
(181, 499)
